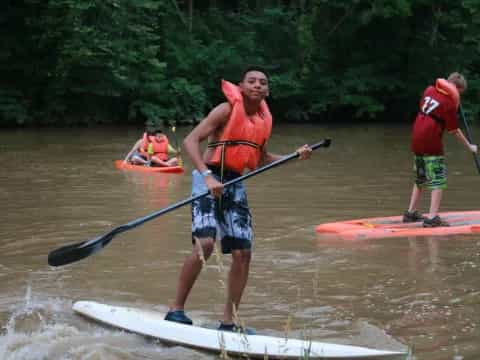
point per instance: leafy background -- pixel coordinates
(87, 62)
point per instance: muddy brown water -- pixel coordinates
(60, 186)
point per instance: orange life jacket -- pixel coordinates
(242, 139)
(158, 146)
(447, 88)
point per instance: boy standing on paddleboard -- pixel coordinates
(238, 131)
(438, 111)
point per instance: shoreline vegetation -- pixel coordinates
(71, 63)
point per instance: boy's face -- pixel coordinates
(255, 85)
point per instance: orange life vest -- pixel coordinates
(242, 139)
(447, 88)
(158, 146)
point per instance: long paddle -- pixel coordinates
(180, 161)
(469, 137)
(75, 252)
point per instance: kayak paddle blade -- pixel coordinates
(75, 252)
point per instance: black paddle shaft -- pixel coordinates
(75, 252)
(469, 137)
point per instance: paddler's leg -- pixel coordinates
(204, 231)
(138, 159)
(435, 202)
(420, 181)
(434, 219)
(190, 271)
(237, 280)
(157, 162)
(172, 161)
(415, 198)
(412, 215)
(237, 240)
(437, 176)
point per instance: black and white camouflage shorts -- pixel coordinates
(228, 219)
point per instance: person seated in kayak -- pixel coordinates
(437, 112)
(152, 149)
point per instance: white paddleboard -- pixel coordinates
(152, 324)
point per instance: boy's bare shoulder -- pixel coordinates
(222, 110)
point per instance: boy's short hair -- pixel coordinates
(152, 130)
(458, 80)
(253, 68)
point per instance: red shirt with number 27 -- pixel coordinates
(437, 112)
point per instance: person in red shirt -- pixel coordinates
(438, 112)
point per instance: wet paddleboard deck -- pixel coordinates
(152, 324)
(119, 164)
(461, 222)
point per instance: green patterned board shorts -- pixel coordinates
(431, 172)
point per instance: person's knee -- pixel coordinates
(207, 247)
(242, 257)
(137, 159)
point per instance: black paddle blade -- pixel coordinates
(75, 252)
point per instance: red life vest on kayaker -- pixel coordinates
(447, 88)
(437, 113)
(241, 142)
(158, 146)
(431, 107)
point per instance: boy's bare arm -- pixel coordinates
(217, 118)
(304, 152)
(134, 148)
(214, 120)
(461, 137)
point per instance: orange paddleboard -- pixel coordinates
(119, 164)
(461, 222)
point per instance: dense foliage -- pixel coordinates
(65, 62)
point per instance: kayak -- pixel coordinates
(119, 164)
(152, 324)
(461, 222)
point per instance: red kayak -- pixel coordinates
(119, 164)
(461, 222)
